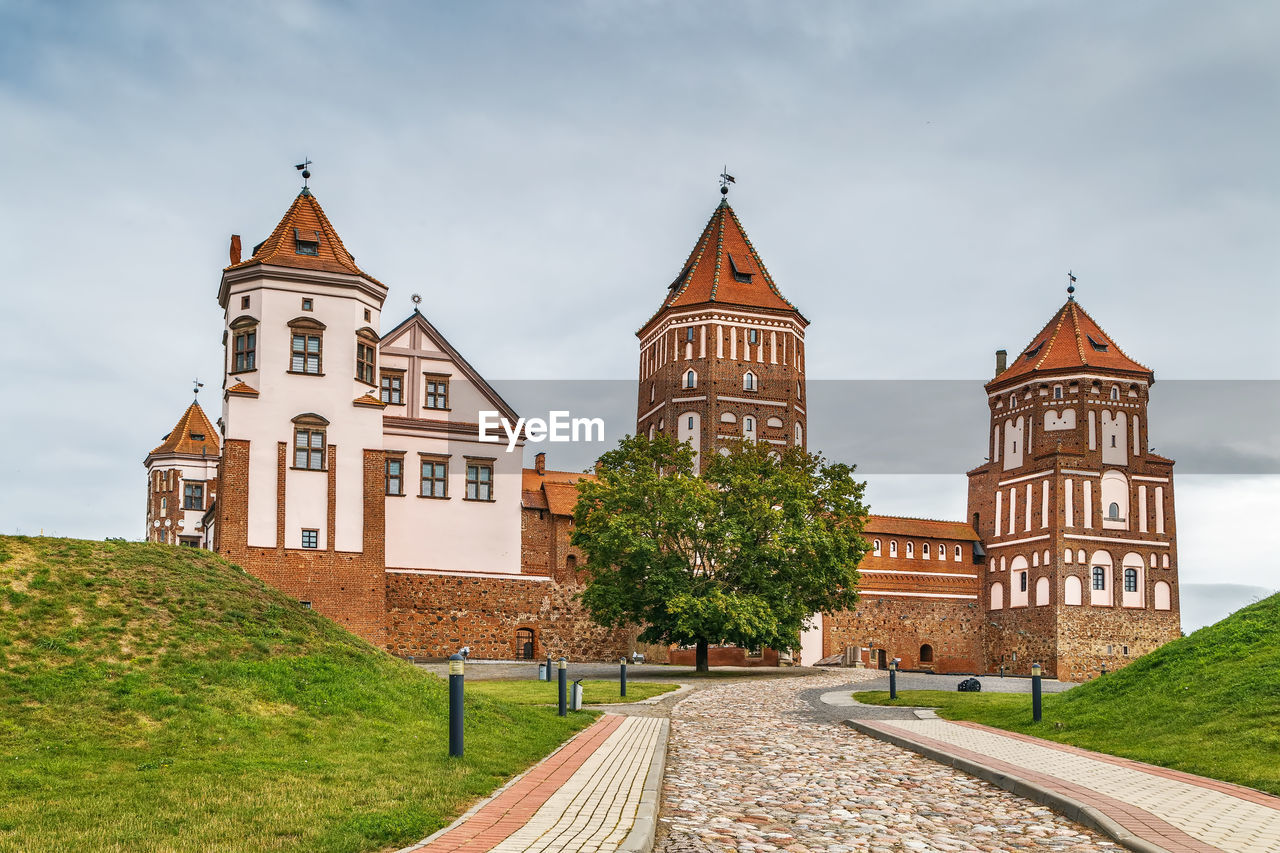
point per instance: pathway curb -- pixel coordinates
(1068, 807)
(645, 826)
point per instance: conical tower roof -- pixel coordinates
(304, 239)
(724, 267)
(192, 435)
(1071, 341)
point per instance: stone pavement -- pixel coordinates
(1146, 807)
(752, 768)
(596, 794)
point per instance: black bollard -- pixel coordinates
(564, 687)
(548, 668)
(622, 679)
(1035, 692)
(893, 679)
(455, 705)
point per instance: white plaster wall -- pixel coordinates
(811, 641)
(1014, 445)
(1018, 595)
(306, 504)
(1114, 438)
(1101, 596)
(1042, 591)
(691, 433)
(1073, 593)
(1053, 421)
(1115, 489)
(1133, 599)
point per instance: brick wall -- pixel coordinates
(900, 626)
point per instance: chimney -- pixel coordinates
(235, 249)
(1002, 359)
(540, 464)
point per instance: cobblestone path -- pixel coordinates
(750, 768)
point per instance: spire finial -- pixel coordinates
(196, 390)
(417, 300)
(306, 174)
(725, 180)
(1071, 286)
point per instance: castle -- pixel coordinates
(349, 469)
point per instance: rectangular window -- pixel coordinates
(434, 478)
(753, 336)
(479, 481)
(244, 302)
(392, 388)
(193, 496)
(310, 538)
(364, 362)
(688, 334)
(395, 476)
(308, 449)
(305, 354)
(437, 392)
(307, 305)
(1022, 581)
(246, 346)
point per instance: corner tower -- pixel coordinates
(182, 477)
(1075, 511)
(723, 357)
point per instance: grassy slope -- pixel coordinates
(594, 692)
(1207, 704)
(158, 698)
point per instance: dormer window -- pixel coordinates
(196, 436)
(306, 242)
(1100, 347)
(742, 268)
(1031, 353)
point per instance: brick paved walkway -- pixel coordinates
(584, 798)
(1149, 807)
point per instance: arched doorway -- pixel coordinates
(524, 644)
(926, 654)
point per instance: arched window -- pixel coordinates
(799, 435)
(1165, 561)
(1163, 595)
(1115, 392)
(524, 644)
(893, 548)
(959, 553)
(911, 549)
(1153, 561)
(1042, 592)
(926, 653)
(875, 547)
(1113, 510)
(1099, 578)
(997, 596)
(571, 563)
(749, 381)
(1073, 594)
(691, 379)
(924, 551)
(1067, 555)
(1130, 580)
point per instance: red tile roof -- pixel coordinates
(369, 400)
(182, 439)
(920, 528)
(708, 274)
(1070, 341)
(552, 490)
(305, 220)
(241, 388)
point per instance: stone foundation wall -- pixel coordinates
(901, 626)
(1092, 637)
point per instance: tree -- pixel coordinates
(743, 554)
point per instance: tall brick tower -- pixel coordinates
(723, 358)
(1075, 512)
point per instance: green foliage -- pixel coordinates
(1204, 704)
(158, 698)
(744, 554)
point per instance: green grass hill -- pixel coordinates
(1207, 704)
(158, 698)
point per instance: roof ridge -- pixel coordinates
(1109, 338)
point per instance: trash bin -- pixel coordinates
(542, 672)
(575, 696)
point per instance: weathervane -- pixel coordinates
(725, 180)
(1071, 286)
(417, 300)
(306, 172)
(196, 390)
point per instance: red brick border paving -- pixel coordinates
(512, 809)
(1138, 821)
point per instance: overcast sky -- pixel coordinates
(919, 177)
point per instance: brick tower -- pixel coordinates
(723, 358)
(1075, 512)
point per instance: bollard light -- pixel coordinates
(1035, 692)
(564, 688)
(893, 678)
(456, 675)
(622, 678)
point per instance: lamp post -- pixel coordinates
(893, 678)
(455, 705)
(1035, 692)
(564, 687)
(622, 678)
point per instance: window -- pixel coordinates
(164, 505)
(1100, 347)
(1099, 578)
(306, 605)
(1130, 580)
(749, 381)
(911, 549)
(1057, 392)
(959, 553)
(748, 424)
(875, 547)
(753, 336)
(524, 644)
(367, 315)
(688, 334)
(393, 388)
(310, 538)
(305, 354)
(434, 478)
(893, 548)
(690, 421)
(926, 653)
(1113, 511)
(1022, 581)
(741, 267)
(691, 379)
(395, 476)
(308, 304)
(1113, 441)
(306, 242)
(437, 392)
(193, 496)
(364, 361)
(246, 346)
(244, 302)
(924, 550)
(308, 448)
(1115, 392)
(479, 481)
